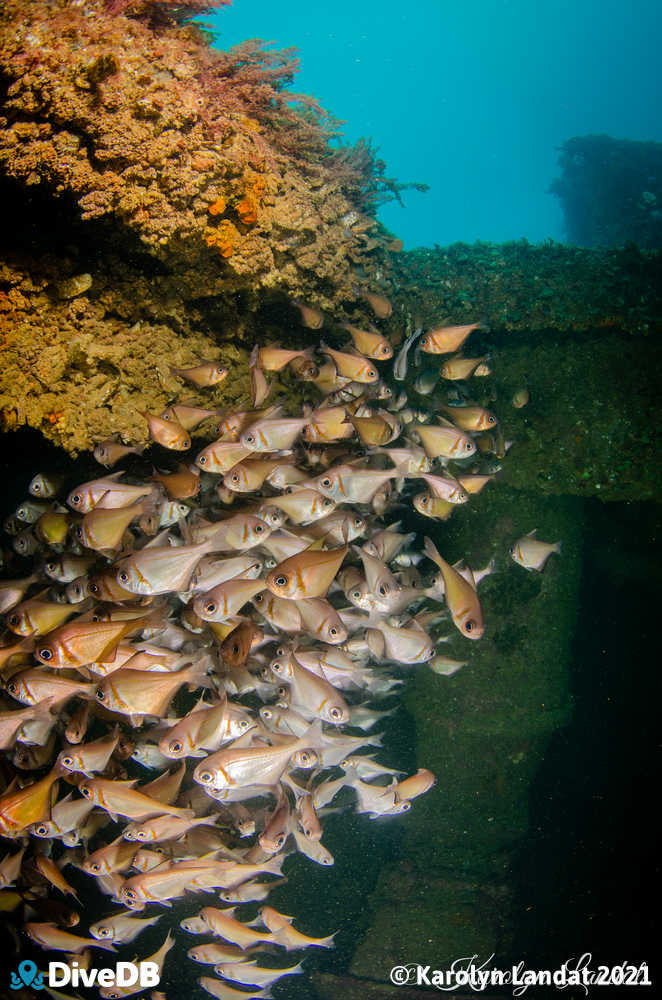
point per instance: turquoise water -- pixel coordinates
(473, 99)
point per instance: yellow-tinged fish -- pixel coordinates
(347, 484)
(107, 492)
(321, 620)
(160, 570)
(103, 530)
(12, 720)
(273, 433)
(210, 954)
(54, 939)
(445, 665)
(168, 433)
(157, 959)
(251, 974)
(373, 431)
(306, 574)
(303, 506)
(461, 597)
(445, 488)
(119, 799)
(89, 757)
(151, 831)
(417, 784)
(329, 378)
(434, 507)
(138, 692)
(111, 451)
(379, 304)
(180, 485)
(311, 317)
(10, 867)
(304, 368)
(35, 685)
(444, 440)
(13, 591)
(222, 924)
(326, 424)
(66, 815)
(292, 939)
(315, 696)
(37, 616)
(120, 928)
(243, 531)
(448, 339)
(531, 553)
(222, 991)
(114, 857)
(78, 643)
(187, 416)
(369, 343)
(473, 483)
(250, 474)
(21, 808)
(258, 765)
(205, 728)
(221, 456)
(471, 418)
(352, 366)
(204, 375)
(166, 881)
(50, 871)
(274, 359)
(52, 528)
(461, 368)
(521, 398)
(227, 599)
(45, 485)
(278, 611)
(402, 645)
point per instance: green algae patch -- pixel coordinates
(483, 732)
(588, 429)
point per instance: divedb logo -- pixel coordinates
(61, 974)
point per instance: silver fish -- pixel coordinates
(400, 366)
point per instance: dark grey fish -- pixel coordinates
(426, 381)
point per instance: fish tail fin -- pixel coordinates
(483, 325)
(274, 865)
(105, 945)
(558, 546)
(431, 552)
(328, 942)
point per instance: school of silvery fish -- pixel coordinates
(264, 575)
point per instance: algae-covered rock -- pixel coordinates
(588, 429)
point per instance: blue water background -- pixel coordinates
(472, 98)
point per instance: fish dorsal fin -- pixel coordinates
(532, 534)
(319, 545)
